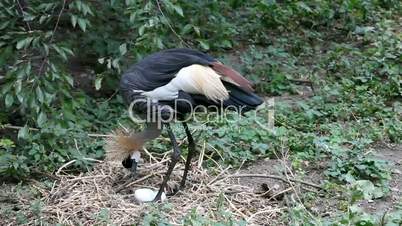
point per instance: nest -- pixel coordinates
(107, 192)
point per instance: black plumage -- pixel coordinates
(160, 68)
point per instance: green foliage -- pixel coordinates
(39, 42)
(158, 216)
(224, 219)
(350, 51)
(270, 68)
(103, 217)
(354, 216)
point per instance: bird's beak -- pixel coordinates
(135, 159)
(134, 167)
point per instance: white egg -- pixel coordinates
(147, 195)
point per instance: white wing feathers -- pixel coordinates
(194, 79)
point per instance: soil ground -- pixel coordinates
(392, 154)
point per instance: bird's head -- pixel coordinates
(131, 161)
(125, 147)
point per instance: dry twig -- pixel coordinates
(272, 177)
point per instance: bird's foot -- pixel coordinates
(173, 193)
(133, 174)
(176, 190)
(133, 170)
(182, 184)
(158, 198)
(159, 195)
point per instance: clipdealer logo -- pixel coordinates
(263, 116)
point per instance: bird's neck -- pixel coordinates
(149, 133)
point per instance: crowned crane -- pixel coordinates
(156, 83)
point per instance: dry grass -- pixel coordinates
(79, 199)
(105, 194)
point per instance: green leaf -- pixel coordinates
(304, 6)
(9, 100)
(70, 80)
(4, 24)
(98, 83)
(60, 52)
(6, 88)
(204, 44)
(79, 5)
(39, 94)
(197, 30)
(141, 30)
(82, 24)
(42, 118)
(23, 132)
(85, 9)
(115, 63)
(159, 43)
(186, 29)
(42, 19)
(67, 50)
(20, 98)
(49, 98)
(24, 43)
(46, 47)
(73, 19)
(123, 49)
(178, 10)
(227, 44)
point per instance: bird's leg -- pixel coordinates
(191, 152)
(174, 158)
